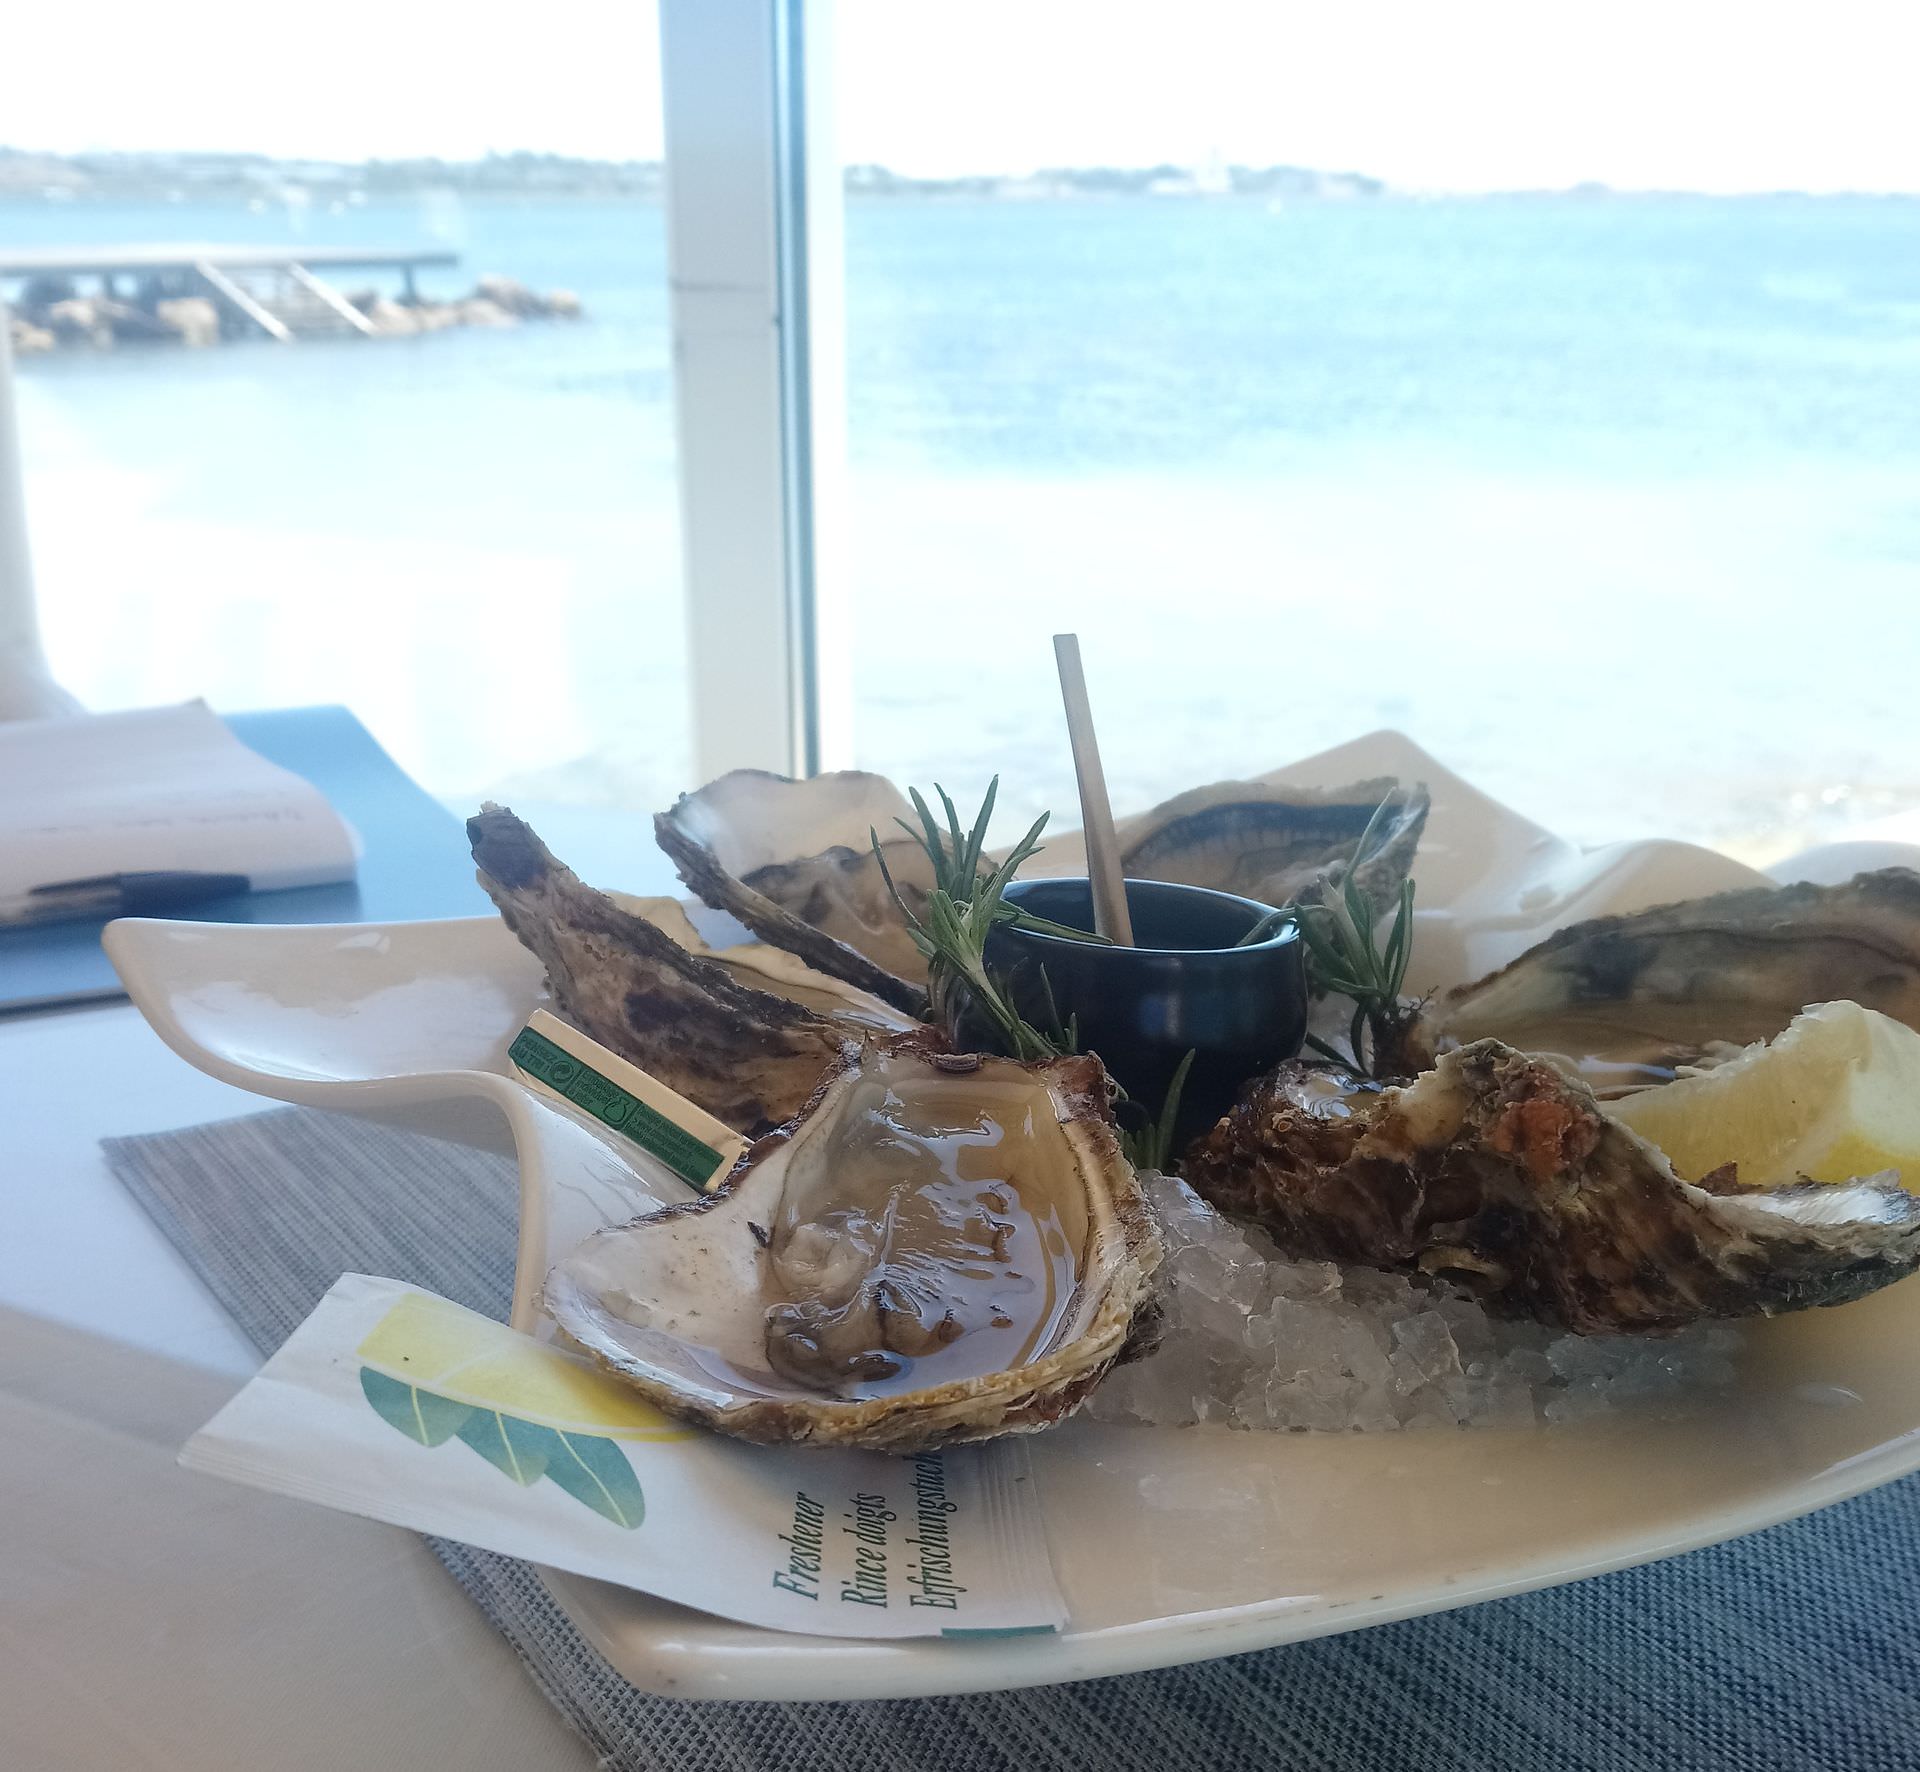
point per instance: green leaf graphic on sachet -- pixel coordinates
(523, 1449)
(590, 1468)
(596, 1471)
(420, 1415)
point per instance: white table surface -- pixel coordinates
(69, 1078)
(150, 1618)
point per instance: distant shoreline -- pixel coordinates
(264, 181)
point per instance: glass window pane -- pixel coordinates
(465, 531)
(1542, 384)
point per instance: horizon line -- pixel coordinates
(879, 172)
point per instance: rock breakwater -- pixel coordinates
(53, 314)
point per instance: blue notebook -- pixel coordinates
(416, 864)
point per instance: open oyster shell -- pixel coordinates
(939, 1249)
(1497, 1171)
(1624, 1000)
(1276, 844)
(763, 968)
(793, 861)
(749, 1057)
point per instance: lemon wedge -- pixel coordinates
(1834, 1096)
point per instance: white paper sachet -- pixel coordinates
(158, 790)
(393, 1403)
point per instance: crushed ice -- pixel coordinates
(1255, 1340)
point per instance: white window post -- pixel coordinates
(754, 253)
(27, 690)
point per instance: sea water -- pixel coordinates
(1610, 503)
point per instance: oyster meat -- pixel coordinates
(1623, 1001)
(747, 1056)
(793, 861)
(1276, 844)
(1499, 1172)
(939, 1249)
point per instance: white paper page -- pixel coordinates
(158, 790)
(394, 1403)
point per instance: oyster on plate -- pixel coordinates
(1499, 1172)
(1277, 844)
(749, 1057)
(940, 1248)
(793, 861)
(764, 968)
(1626, 1000)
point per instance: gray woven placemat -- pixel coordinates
(1797, 1647)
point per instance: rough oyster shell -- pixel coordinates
(1273, 843)
(1497, 1171)
(793, 861)
(1627, 998)
(747, 1056)
(854, 1282)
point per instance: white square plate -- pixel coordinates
(1171, 1544)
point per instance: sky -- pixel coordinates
(1432, 94)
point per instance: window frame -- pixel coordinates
(755, 230)
(754, 219)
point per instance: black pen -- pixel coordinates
(158, 894)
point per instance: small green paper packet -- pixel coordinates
(401, 1406)
(562, 1062)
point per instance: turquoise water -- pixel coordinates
(1614, 505)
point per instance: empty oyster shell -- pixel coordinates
(1499, 1172)
(1624, 1000)
(1276, 844)
(748, 1057)
(764, 968)
(939, 1249)
(793, 861)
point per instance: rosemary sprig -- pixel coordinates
(1152, 1145)
(965, 904)
(1344, 959)
(956, 859)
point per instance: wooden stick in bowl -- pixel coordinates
(1110, 915)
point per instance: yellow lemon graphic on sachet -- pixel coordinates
(435, 1346)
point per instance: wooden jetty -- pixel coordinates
(277, 289)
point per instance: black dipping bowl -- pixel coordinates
(1185, 987)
